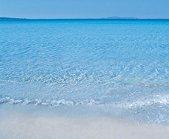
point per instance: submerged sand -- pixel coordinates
(24, 125)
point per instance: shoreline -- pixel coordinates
(29, 124)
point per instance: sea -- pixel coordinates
(117, 67)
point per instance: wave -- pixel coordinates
(139, 103)
(157, 99)
(54, 103)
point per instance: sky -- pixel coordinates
(84, 8)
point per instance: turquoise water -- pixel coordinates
(123, 64)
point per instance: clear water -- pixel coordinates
(119, 64)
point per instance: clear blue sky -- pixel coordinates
(84, 8)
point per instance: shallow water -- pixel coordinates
(116, 64)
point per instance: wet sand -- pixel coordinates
(18, 124)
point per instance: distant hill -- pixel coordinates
(9, 18)
(117, 17)
(113, 17)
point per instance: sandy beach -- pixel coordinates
(16, 124)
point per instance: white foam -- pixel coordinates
(138, 103)
(156, 99)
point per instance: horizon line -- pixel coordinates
(101, 18)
